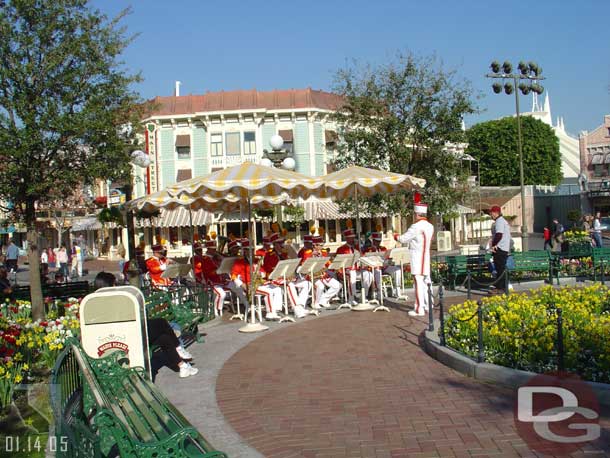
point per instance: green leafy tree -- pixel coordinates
(64, 101)
(399, 117)
(494, 145)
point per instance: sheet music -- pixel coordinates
(401, 253)
(343, 260)
(371, 261)
(285, 268)
(315, 264)
(171, 271)
(226, 265)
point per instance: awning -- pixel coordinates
(184, 174)
(183, 140)
(462, 210)
(178, 217)
(286, 135)
(327, 209)
(597, 159)
(90, 223)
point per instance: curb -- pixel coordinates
(492, 373)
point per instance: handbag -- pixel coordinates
(510, 262)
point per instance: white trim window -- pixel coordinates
(250, 142)
(216, 148)
(233, 143)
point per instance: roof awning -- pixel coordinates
(86, 224)
(327, 209)
(183, 140)
(286, 135)
(177, 218)
(597, 159)
(184, 174)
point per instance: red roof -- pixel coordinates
(245, 100)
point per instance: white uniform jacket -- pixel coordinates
(419, 238)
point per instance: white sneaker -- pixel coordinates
(183, 353)
(414, 313)
(186, 370)
(272, 316)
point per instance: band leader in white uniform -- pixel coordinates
(419, 238)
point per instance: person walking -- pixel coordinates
(419, 238)
(500, 245)
(77, 261)
(62, 259)
(44, 262)
(558, 231)
(597, 231)
(12, 257)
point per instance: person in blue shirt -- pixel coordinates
(12, 256)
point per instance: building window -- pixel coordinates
(287, 136)
(249, 142)
(233, 141)
(232, 120)
(216, 120)
(600, 170)
(216, 145)
(183, 146)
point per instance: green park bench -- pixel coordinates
(103, 408)
(460, 266)
(534, 262)
(60, 291)
(180, 305)
(601, 260)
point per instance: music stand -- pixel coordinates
(283, 269)
(375, 261)
(401, 256)
(343, 261)
(313, 266)
(171, 271)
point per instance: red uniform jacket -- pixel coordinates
(198, 267)
(241, 268)
(208, 271)
(305, 253)
(155, 268)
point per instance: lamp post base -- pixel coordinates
(253, 327)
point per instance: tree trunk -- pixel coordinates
(38, 311)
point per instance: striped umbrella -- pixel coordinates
(345, 183)
(358, 182)
(246, 180)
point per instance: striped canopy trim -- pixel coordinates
(246, 179)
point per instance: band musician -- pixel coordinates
(349, 247)
(156, 265)
(327, 286)
(376, 247)
(271, 290)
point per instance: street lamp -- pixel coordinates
(278, 157)
(526, 80)
(139, 159)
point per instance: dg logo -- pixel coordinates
(557, 413)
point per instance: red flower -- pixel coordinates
(44, 324)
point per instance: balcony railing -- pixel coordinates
(221, 162)
(599, 188)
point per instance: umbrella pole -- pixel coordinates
(192, 241)
(364, 304)
(253, 326)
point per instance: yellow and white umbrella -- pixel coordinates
(364, 182)
(246, 180)
(355, 182)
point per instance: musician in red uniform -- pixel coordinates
(307, 250)
(349, 247)
(328, 286)
(210, 262)
(241, 270)
(198, 262)
(156, 265)
(271, 290)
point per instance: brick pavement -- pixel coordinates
(359, 385)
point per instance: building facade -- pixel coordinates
(595, 167)
(194, 135)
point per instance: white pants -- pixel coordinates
(367, 281)
(273, 297)
(219, 299)
(421, 283)
(298, 292)
(326, 289)
(77, 266)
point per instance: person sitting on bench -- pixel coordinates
(160, 333)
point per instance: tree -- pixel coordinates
(64, 101)
(399, 117)
(494, 145)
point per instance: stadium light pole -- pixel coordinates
(526, 81)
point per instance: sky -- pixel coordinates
(226, 45)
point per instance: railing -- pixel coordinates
(229, 161)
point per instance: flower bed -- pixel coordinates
(520, 331)
(29, 347)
